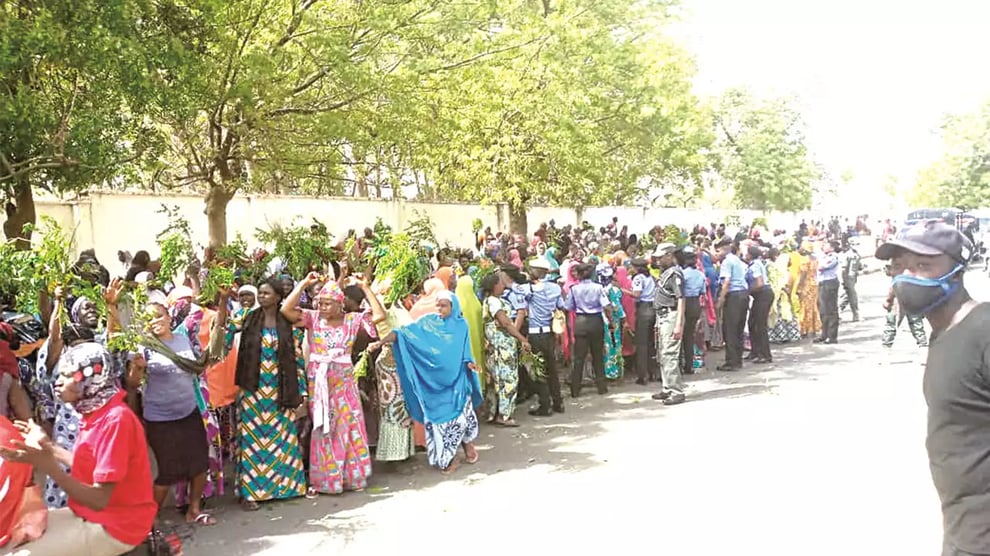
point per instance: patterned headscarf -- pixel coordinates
(77, 307)
(331, 290)
(89, 363)
(604, 271)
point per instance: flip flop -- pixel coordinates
(311, 494)
(471, 461)
(204, 520)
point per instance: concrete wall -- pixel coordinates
(112, 222)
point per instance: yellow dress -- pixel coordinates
(811, 322)
(471, 308)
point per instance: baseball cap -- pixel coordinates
(929, 239)
(665, 248)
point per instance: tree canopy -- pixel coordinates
(961, 177)
(562, 102)
(762, 153)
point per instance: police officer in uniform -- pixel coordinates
(733, 302)
(669, 305)
(546, 297)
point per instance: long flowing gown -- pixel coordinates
(270, 459)
(503, 360)
(613, 339)
(810, 319)
(339, 458)
(432, 356)
(471, 307)
(395, 426)
(629, 308)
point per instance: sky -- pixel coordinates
(874, 78)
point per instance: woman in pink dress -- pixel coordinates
(339, 458)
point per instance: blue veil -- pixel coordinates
(431, 357)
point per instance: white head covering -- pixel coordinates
(445, 294)
(251, 290)
(142, 277)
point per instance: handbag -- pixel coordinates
(558, 324)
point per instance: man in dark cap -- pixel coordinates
(932, 258)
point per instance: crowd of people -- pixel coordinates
(292, 386)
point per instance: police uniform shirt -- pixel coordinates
(646, 286)
(670, 288)
(733, 274)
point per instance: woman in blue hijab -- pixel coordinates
(439, 380)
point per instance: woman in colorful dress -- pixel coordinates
(440, 381)
(811, 323)
(613, 337)
(395, 426)
(339, 457)
(502, 359)
(471, 308)
(272, 386)
(186, 319)
(629, 322)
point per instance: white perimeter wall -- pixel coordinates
(112, 222)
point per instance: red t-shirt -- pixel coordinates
(14, 478)
(111, 448)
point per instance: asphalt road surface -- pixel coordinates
(820, 454)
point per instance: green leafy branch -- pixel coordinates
(175, 243)
(302, 249)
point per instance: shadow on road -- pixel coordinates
(550, 445)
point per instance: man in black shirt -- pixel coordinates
(933, 257)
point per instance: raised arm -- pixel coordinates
(55, 330)
(290, 307)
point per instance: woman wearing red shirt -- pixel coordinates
(111, 508)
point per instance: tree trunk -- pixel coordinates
(216, 214)
(20, 211)
(517, 218)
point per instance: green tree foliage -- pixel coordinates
(763, 154)
(77, 81)
(961, 178)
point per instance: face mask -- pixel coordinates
(921, 296)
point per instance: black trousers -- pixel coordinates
(733, 325)
(646, 340)
(692, 312)
(828, 307)
(526, 386)
(544, 345)
(589, 335)
(759, 331)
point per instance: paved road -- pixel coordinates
(821, 454)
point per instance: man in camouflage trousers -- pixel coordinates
(895, 317)
(852, 265)
(669, 305)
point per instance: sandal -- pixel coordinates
(203, 519)
(311, 494)
(471, 460)
(508, 423)
(249, 505)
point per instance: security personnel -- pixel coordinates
(669, 305)
(828, 292)
(852, 265)
(643, 290)
(545, 298)
(733, 302)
